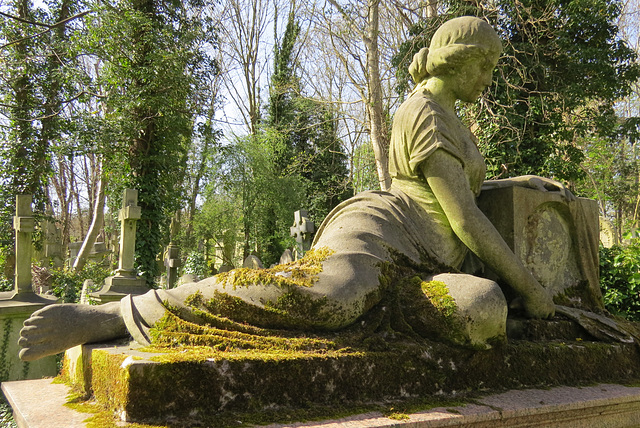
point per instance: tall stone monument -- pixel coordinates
(18, 305)
(125, 281)
(172, 256)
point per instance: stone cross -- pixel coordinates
(172, 256)
(302, 230)
(24, 224)
(125, 280)
(128, 216)
(53, 246)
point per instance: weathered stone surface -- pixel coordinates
(603, 405)
(541, 230)
(481, 309)
(196, 386)
(12, 314)
(252, 262)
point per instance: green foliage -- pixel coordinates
(6, 415)
(67, 284)
(153, 54)
(562, 70)
(295, 161)
(31, 96)
(196, 264)
(620, 279)
(5, 283)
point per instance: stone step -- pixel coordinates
(40, 404)
(185, 383)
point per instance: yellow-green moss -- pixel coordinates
(438, 294)
(300, 273)
(172, 331)
(109, 382)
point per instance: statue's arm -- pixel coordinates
(447, 180)
(530, 181)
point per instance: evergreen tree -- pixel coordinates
(302, 135)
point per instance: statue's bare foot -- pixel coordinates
(56, 328)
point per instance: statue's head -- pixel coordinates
(456, 43)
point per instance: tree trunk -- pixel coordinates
(94, 229)
(379, 139)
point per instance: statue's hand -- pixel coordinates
(539, 304)
(546, 185)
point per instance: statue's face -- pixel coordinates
(470, 80)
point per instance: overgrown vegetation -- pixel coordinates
(620, 279)
(67, 284)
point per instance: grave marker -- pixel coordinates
(18, 305)
(172, 257)
(24, 224)
(302, 230)
(125, 281)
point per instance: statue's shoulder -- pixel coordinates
(421, 111)
(420, 103)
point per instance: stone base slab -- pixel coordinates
(40, 404)
(14, 310)
(155, 387)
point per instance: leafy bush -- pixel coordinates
(6, 416)
(196, 264)
(5, 283)
(620, 279)
(67, 284)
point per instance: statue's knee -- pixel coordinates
(481, 308)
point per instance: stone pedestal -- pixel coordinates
(14, 310)
(556, 240)
(116, 287)
(197, 385)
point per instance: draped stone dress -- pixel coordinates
(366, 232)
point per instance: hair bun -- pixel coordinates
(418, 67)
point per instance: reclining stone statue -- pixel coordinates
(423, 227)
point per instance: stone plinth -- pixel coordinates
(597, 406)
(14, 310)
(556, 240)
(116, 287)
(185, 385)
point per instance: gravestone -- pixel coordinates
(556, 240)
(74, 249)
(172, 257)
(18, 305)
(125, 281)
(302, 230)
(51, 253)
(252, 262)
(98, 252)
(607, 233)
(286, 257)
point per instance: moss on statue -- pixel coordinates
(300, 273)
